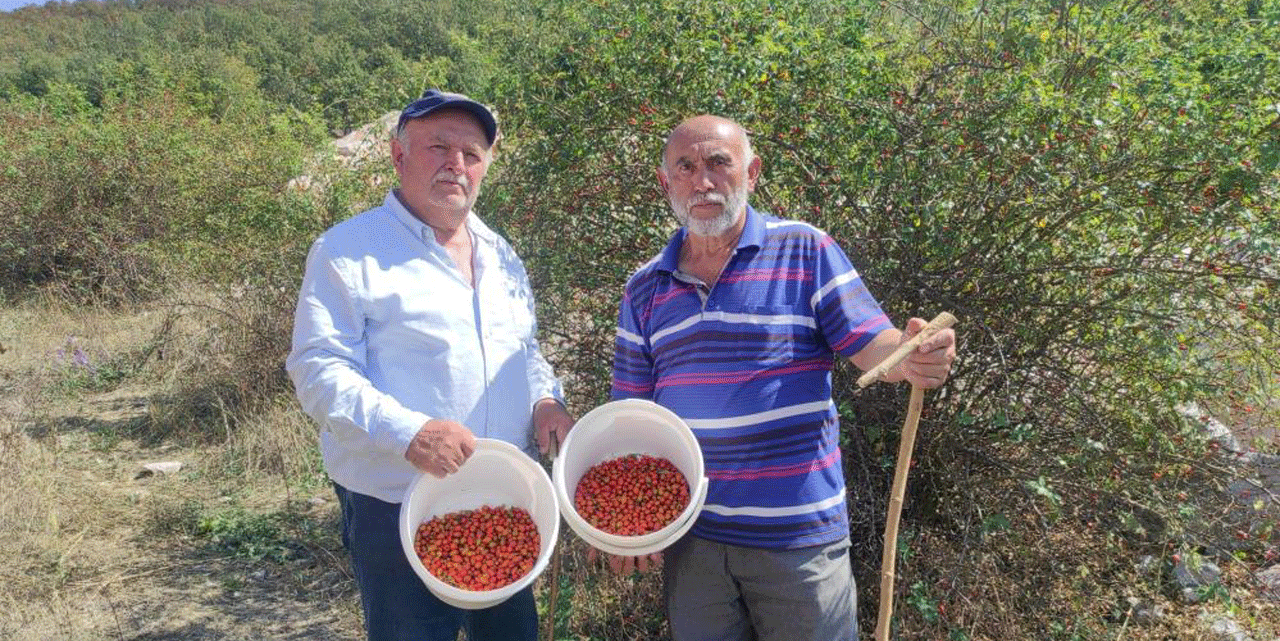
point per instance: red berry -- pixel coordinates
(481, 549)
(631, 495)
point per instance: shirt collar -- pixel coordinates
(752, 236)
(425, 231)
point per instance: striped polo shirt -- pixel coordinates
(747, 365)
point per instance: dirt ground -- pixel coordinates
(115, 577)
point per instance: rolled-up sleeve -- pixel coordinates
(327, 362)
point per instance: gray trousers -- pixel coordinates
(719, 592)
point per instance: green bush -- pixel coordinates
(105, 204)
(1089, 188)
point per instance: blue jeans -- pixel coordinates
(397, 604)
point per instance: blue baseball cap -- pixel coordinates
(434, 100)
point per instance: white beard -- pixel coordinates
(733, 204)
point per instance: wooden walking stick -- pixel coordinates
(905, 445)
(550, 632)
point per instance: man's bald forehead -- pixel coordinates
(707, 126)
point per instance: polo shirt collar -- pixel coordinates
(753, 231)
(752, 236)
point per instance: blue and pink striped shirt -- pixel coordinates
(747, 365)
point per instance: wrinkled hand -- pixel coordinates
(440, 447)
(624, 565)
(930, 364)
(550, 417)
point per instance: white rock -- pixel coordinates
(161, 467)
(1213, 428)
(1226, 629)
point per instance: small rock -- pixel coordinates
(1143, 611)
(1269, 580)
(1225, 628)
(1151, 614)
(1196, 574)
(1193, 577)
(1243, 490)
(1146, 564)
(163, 467)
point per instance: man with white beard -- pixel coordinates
(735, 327)
(415, 334)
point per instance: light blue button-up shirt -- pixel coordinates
(388, 335)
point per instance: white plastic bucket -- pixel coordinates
(618, 428)
(496, 474)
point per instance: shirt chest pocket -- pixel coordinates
(506, 324)
(424, 323)
(771, 335)
(506, 315)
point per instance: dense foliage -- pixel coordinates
(1090, 187)
(344, 61)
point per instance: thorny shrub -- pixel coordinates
(1089, 188)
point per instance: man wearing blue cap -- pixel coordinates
(415, 334)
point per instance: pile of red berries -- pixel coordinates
(631, 495)
(481, 549)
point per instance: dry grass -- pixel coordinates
(278, 441)
(594, 603)
(1062, 574)
(52, 512)
(96, 551)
